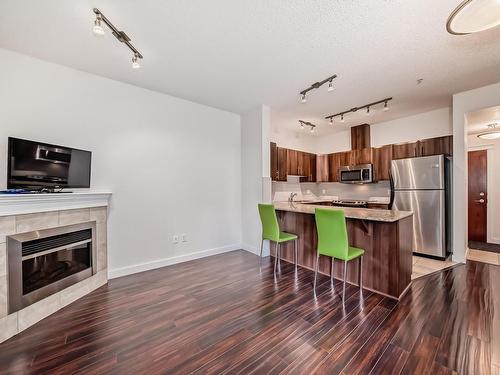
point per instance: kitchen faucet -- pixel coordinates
(292, 195)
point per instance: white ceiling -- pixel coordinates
(478, 121)
(235, 55)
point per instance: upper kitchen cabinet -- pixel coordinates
(382, 158)
(322, 168)
(286, 162)
(282, 163)
(337, 160)
(274, 162)
(292, 162)
(362, 156)
(436, 146)
(405, 150)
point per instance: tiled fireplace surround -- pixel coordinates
(11, 324)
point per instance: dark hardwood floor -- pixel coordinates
(221, 315)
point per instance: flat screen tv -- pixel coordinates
(39, 166)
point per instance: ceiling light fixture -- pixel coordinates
(120, 35)
(473, 16)
(330, 86)
(307, 123)
(317, 85)
(492, 133)
(367, 106)
(97, 29)
(135, 63)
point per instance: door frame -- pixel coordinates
(490, 175)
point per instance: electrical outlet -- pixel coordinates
(184, 237)
(175, 239)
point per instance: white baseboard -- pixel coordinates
(129, 270)
(255, 250)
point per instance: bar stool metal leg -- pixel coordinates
(261, 247)
(276, 254)
(360, 274)
(331, 272)
(345, 277)
(295, 244)
(316, 272)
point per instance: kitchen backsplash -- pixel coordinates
(335, 190)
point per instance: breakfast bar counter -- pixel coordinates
(385, 235)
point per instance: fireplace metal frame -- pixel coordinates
(16, 300)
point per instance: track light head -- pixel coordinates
(368, 111)
(331, 120)
(386, 107)
(312, 129)
(342, 119)
(303, 99)
(330, 86)
(135, 63)
(97, 29)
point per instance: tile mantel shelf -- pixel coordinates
(19, 204)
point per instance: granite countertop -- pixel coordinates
(371, 214)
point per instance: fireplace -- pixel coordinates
(44, 262)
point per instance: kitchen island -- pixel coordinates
(385, 235)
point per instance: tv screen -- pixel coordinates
(35, 166)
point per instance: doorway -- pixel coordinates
(483, 197)
(478, 195)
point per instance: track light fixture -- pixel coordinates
(120, 35)
(303, 124)
(317, 85)
(355, 109)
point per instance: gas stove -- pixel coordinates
(350, 203)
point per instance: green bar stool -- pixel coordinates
(271, 232)
(333, 242)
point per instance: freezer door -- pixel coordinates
(428, 208)
(419, 173)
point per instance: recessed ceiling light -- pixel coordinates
(491, 134)
(473, 16)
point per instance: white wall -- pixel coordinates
(407, 129)
(300, 140)
(463, 103)
(255, 167)
(173, 166)
(493, 152)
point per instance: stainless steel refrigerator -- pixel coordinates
(423, 185)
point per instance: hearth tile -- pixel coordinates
(32, 222)
(37, 311)
(8, 326)
(99, 214)
(69, 217)
(7, 227)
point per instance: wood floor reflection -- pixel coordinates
(223, 315)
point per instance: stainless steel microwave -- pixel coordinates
(356, 174)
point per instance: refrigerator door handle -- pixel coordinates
(391, 183)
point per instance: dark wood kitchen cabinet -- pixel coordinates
(282, 163)
(292, 162)
(306, 166)
(436, 146)
(274, 162)
(337, 160)
(405, 150)
(322, 168)
(362, 156)
(382, 160)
